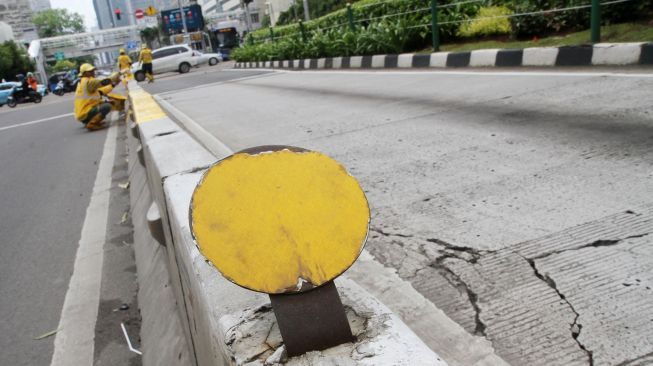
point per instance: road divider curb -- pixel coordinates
(219, 322)
(600, 54)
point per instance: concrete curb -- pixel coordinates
(224, 324)
(601, 54)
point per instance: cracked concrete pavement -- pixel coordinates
(519, 205)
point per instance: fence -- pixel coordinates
(432, 19)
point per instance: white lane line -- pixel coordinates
(74, 344)
(35, 122)
(475, 73)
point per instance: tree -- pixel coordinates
(149, 35)
(56, 22)
(13, 60)
(64, 65)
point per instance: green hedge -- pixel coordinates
(377, 32)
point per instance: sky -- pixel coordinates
(83, 7)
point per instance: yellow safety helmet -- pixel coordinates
(144, 46)
(122, 51)
(86, 67)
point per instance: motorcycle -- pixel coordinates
(60, 89)
(18, 96)
(64, 86)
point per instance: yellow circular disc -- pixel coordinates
(279, 221)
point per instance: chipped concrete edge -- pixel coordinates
(600, 54)
(208, 303)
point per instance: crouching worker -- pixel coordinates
(89, 107)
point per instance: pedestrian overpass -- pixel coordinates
(90, 43)
(81, 44)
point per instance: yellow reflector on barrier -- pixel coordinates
(279, 221)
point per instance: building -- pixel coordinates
(40, 5)
(275, 8)
(223, 10)
(18, 14)
(6, 33)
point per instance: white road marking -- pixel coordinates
(74, 344)
(475, 73)
(35, 122)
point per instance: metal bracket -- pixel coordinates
(311, 321)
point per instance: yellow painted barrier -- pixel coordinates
(279, 221)
(145, 108)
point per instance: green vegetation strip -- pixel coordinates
(627, 32)
(400, 26)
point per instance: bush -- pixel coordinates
(546, 23)
(488, 22)
(396, 26)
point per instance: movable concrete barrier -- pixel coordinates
(206, 319)
(600, 54)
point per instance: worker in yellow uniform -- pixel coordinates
(145, 59)
(89, 108)
(124, 65)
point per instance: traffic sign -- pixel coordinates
(150, 11)
(139, 14)
(279, 219)
(131, 45)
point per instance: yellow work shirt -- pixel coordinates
(124, 62)
(145, 56)
(87, 96)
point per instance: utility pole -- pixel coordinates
(307, 16)
(183, 16)
(110, 5)
(245, 6)
(131, 18)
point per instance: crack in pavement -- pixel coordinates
(445, 252)
(387, 234)
(458, 283)
(640, 358)
(475, 254)
(595, 244)
(575, 327)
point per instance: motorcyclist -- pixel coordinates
(24, 90)
(124, 64)
(31, 80)
(89, 107)
(145, 59)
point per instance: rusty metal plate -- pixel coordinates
(311, 321)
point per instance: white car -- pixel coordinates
(171, 58)
(211, 58)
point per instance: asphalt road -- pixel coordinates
(49, 164)
(517, 202)
(196, 77)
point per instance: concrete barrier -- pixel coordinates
(195, 316)
(601, 54)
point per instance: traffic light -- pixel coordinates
(117, 12)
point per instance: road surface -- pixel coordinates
(517, 202)
(49, 181)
